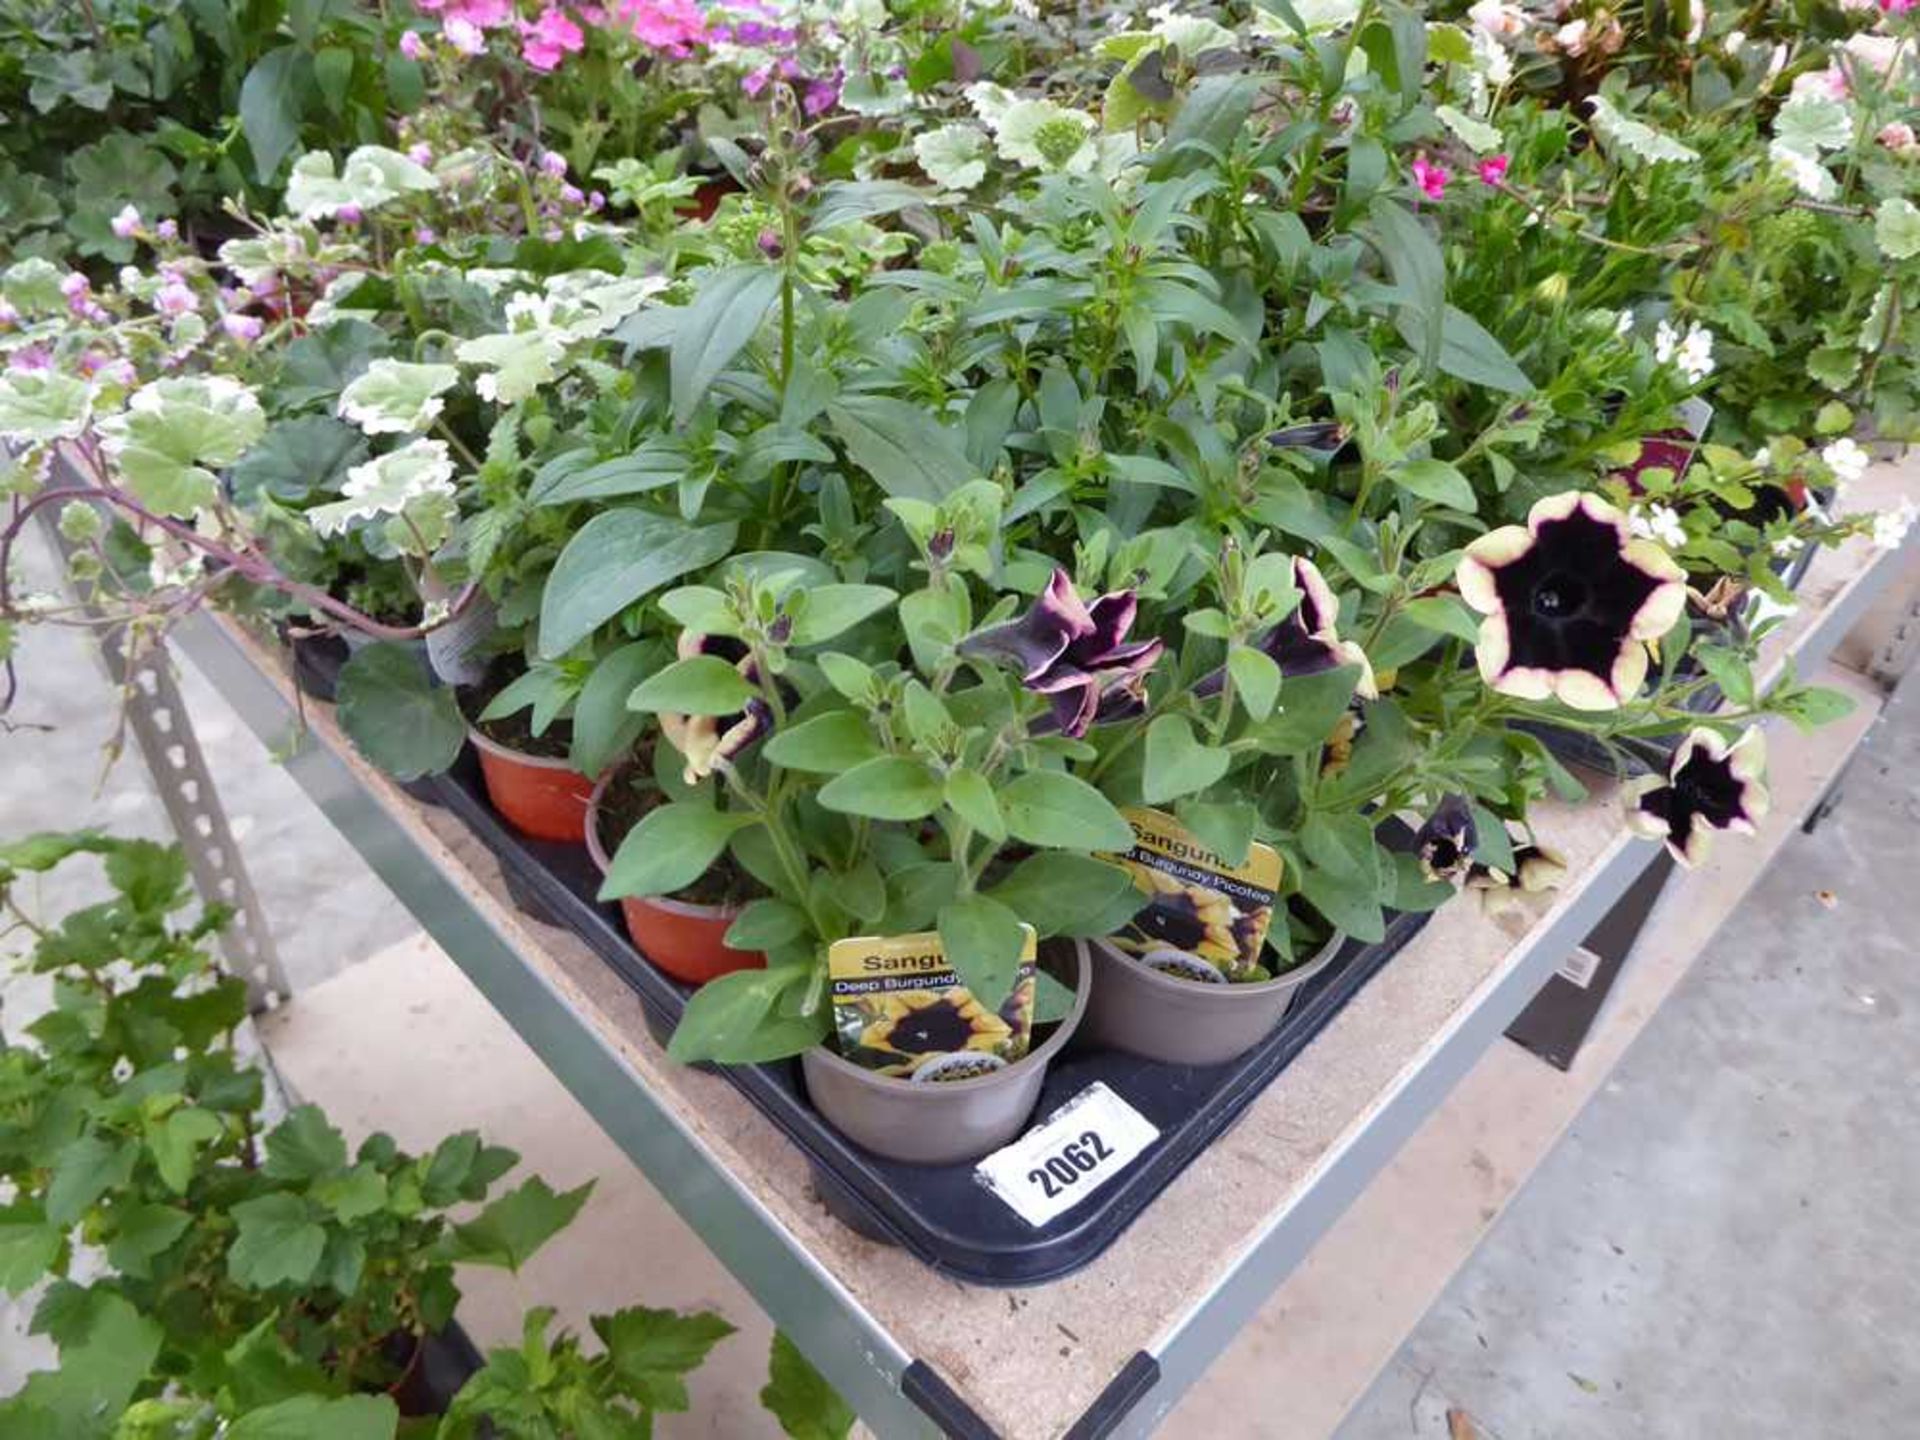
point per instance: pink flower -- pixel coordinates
(421, 154)
(75, 287)
(127, 223)
(411, 45)
(596, 201)
(573, 195)
(553, 164)
(487, 14)
(1430, 177)
(550, 39)
(1897, 7)
(754, 81)
(167, 230)
(425, 235)
(1896, 136)
(821, 96)
(9, 317)
(119, 372)
(34, 357)
(1493, 169)
(668, 25)
(244, 328)
(349, 215)
(175, 297)
(464, 35)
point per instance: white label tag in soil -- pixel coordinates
(1063, 1160)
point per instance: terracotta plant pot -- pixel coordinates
(1136, 1008)
(544, 798)
(945, 1122)
(685, 939)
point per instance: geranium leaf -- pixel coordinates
(395, 715)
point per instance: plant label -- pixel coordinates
(1063, 1160)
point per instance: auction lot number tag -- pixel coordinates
(1059, 1163)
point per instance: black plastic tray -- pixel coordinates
(940, 1213)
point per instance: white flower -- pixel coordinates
(1045, 136)
(1501, 21)
(1696, 354)
(1624, 325)
(1691, 354)
(1735, 41)
(126, 224)
(464, 35)
(1763, 457)
(1027, 9)
(1572, 37)
(386, 485)
(1788, 546)
(1846, 459)
(1890, 527)
(954, 156)
(1655, 521)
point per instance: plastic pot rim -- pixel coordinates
(1298, 975)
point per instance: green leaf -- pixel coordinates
(1061, 893)
(270, 109)
(1342, 845)
(1437, 481)
(174, 1141)
(826, 745)
(724, 315)
(1494, 847)
(304, 1146)
(902, 446)
(970, 794)
(360, 1192)
(1729, 671)
(1468, 352)
(1811, 706)
(568, 478)
(807, 1407)
(736, 1020)
(320, 1417)
(615, 559)
(175, 433)
(142, 1232)
(1413, 893)
(1256, 678)
(86, 1170)
(830, 609)
(1346, 902)
(106, 1350)
(394, 713)
(983, 940)
(671, 847)
(1224, 826)
(653, 1351)
(604, 728)
(765, 923)
(1178, 764)
(892, 787)
(41, 405)
(1446, 614)
(299, 458)
(512, 1228)
(29, 1245)
(1049, 807)
(697, 685)
(278, 1242)
(846, 200)
(1414, 259)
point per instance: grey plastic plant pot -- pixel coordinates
(946, 1122)
(1182, 1022)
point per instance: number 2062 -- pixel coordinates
(1076, 1158)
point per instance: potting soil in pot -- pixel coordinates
(1198, 905)
(900, 1008)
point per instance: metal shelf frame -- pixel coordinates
(894, 1393)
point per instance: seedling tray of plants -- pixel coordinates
(944, 1214)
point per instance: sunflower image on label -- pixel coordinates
(1198, 905)
(900, 1008)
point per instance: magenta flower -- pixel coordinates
(821, 96)
(754, 81)
(670, 26)
(411, 45)
(1430, 178)
(245, 329)
(1076, 654)
(1493, 169)
(1897, 7)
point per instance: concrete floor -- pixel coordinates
(1717, 1249)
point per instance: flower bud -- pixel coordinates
(940, 545)
(770, 245)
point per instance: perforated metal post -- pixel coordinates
(163, 729)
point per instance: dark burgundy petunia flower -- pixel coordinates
(1076, 654)
(1306, 642)
(709, 742)
(1446, 841)
(1709, 785)
(1571, 599)
(1670, 450)
(1322, 435)
(1536, 871)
